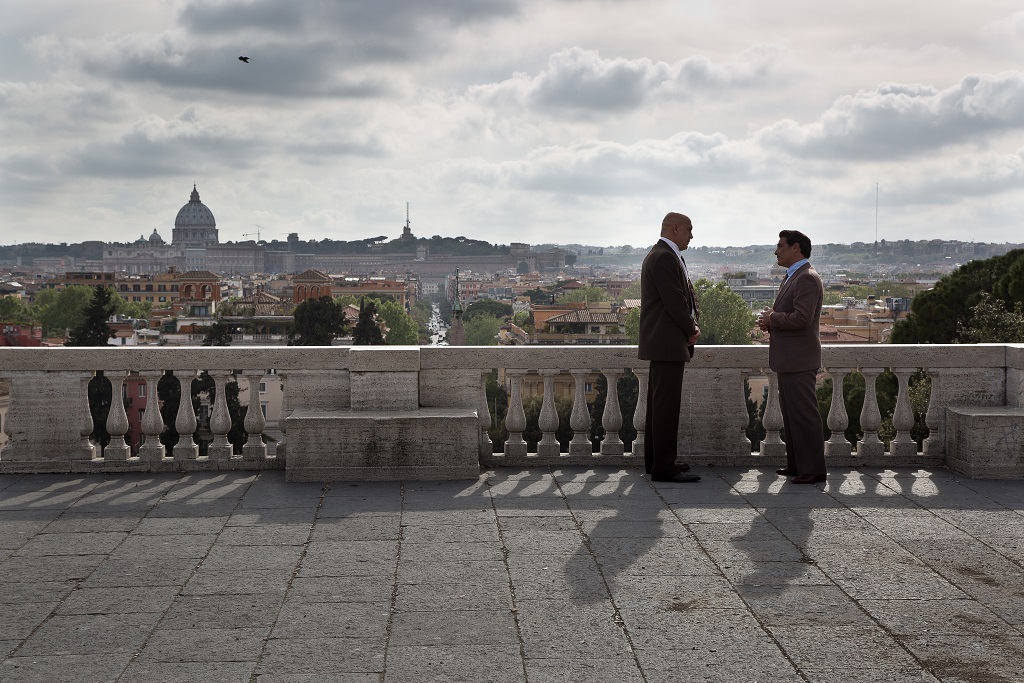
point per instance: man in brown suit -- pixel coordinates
(668, 331)
(795, 355)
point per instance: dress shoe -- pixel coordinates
(808, 478)
(786, 472)
(678, 478)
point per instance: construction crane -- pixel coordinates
(259, 228)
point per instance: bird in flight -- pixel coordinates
(244, 59)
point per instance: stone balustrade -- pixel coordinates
(403, 412)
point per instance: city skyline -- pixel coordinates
(513, 120)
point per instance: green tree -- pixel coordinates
(482, 330)
(402, 329)
(317, 322)
(61, 311)
(936, 315)
(14, 310)
(218, 334)
(633, 325)
(724, 317)
(587, 293)
(990, 322)
(132, 309)
(367, 331)
(93, 330)
(497, 309)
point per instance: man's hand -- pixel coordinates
(764, 319)
(693, 339)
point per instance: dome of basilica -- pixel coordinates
(194, 214)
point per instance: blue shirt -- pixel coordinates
(795, 267)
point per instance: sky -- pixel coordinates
(540, 121)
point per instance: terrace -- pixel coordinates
(421, 413)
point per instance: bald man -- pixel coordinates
(668, 331)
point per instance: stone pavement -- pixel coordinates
(539, 575)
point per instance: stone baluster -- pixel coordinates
(117, 420)
(151, 449)
(254, 448)
(88, 451)
(935, 443)
(838, 420)
(611, 419)
(185, 420)
(744, 375)
(772, 444)
(870, 417)
(281, 448)
(640, 414)
(515, 419)
(548, 419)
(580, 418)
(220, 418)
(486, 445)
(903, 417)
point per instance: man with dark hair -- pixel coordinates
(794, 354)
(668, 331)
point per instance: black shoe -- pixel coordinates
(786, 472)
(678, 478)
(677, 469)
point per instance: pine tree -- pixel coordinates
(317, 322)
(367, 332)
(94, 330)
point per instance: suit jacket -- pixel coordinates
(667, 303)
(795, 344)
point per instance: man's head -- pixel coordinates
(793, 246)
(678, 228)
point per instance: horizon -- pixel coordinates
(584, 119)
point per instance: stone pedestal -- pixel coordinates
(985, 442)
(429, 443)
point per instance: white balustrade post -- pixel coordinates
(744, 374)
(772, 444)
(935, 443)
(281, 447)
(548, 419)
(838, 420)
(903, 416)
(254, 449)
(151, 449)
(220, 418)
(640, 414)
(117, 420)
(185, 420)
(88, 451)
(515, 420)
(486, 445)
(580, 418)
(611, 419)
(870, 417)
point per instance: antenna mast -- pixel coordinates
(876, 214)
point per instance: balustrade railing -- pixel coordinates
(50, 426)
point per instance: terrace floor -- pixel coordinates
(540, 575)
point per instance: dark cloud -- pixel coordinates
(277, 69)
(899, 120)
(406, 26)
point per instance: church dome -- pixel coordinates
(194, 214)
(155, 238)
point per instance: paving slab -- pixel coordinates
(537, 575)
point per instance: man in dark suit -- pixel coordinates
(668, 331)
(794, 354)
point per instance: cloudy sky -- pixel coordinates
(514, 120)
